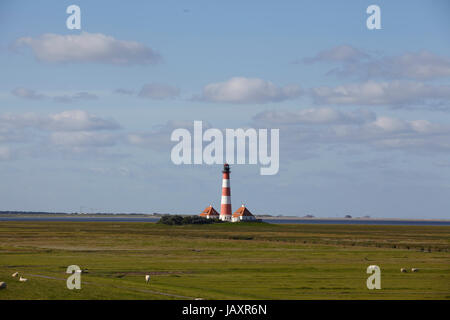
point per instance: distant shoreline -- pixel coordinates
(158, 215)
(356, 218)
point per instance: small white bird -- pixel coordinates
(414, 269)
(15, 274)
(403, 270)
(147, 278)
(23, 279)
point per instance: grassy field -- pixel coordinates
(223, 261)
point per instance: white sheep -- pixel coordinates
(15, 274)
(414, 269)
(22, 279)
(403, 270)
(147, 278)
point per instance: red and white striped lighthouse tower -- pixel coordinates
(225, 204)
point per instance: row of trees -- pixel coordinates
(180, 220)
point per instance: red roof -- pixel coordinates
(242, 211)
(209, 211)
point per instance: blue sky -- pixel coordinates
(367, 131)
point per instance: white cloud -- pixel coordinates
(389, 125)
(416, 65)
(69, 98)
(27, 94)
(124, 91)
(75, 120)
(5, 153)
(70, 120)
(68, 133)
(421, 65)
(89, 47)
(248, 90)
(342, 53)
(324, 127)
(159, 137)
(158, 91)
(83, 139)
(314, 116)
(382, 93)
(64, 98)
(415, 135)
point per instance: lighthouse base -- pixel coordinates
(226, 217)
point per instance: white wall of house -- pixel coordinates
(242, 218)
(225, 217)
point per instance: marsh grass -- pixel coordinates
(223, 261)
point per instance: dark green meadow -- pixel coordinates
(223, 261)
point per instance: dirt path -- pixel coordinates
(119, 287)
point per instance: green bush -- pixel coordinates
(180, 220)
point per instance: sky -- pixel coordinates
(86, 115)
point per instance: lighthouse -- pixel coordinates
(225, 204)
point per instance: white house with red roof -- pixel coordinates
(242, 214)
(210, 213)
